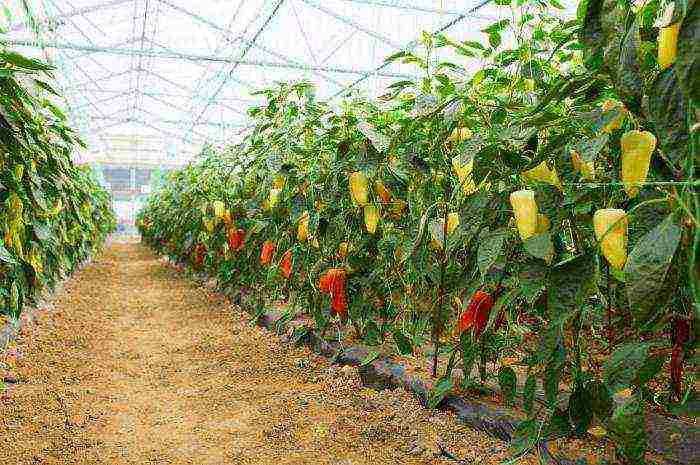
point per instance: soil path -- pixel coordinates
(136, 365)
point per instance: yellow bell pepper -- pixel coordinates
(617, 122)
(668, 44)
(460, 134)
(542, 173)
(371, 218)
(274, 197)
(464, 174)
(303, 227)
(637, 147)
(610, 227)
(219, 209)
(452, 222)
(542, 223)
(343, 250)
(525, 210)
(587, 168)
(358, 188)
(279, 182)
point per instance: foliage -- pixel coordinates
(442, 155)
(53, 213)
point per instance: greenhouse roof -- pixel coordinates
(151, 81)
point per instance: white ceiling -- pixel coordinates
(171, 74)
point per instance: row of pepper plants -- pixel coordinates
(53, 213)
(536, 217)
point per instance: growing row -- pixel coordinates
(472, 213)
(53, 214)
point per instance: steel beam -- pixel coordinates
(397, 4)
(168, 121)
(352, 23)
(194, 57)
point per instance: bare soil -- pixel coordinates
(138, 365)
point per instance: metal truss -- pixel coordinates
(77, 12)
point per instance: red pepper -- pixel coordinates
(235, 239)
(286, 264)
(477, 314)
(268, 250)
(677, 370)
(333, 282)
(199, 251)
(681, 331)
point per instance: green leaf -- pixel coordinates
(529, 393)
(668, 107)
(508, 382)
(647, 266)
(590, 147)
(627, 425)
(540, 246)
(552, 376)
(490, 248)
(438, 392)
(371, 357)
(687, 66)
(568, 284)
(580, 410)
(624, 364)
(558, 425)
(21, 61)
(532, 277)
(525, 436)
(601, 400)
(403, 343)
(6, 256)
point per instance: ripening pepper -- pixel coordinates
(332, 282)
(677, 370)
(219, 209)
(477, 313)
(460, 134)
(268, 250)
(681, 331)
(303, 227)
(274, 197)
(235, 237)
(617, 122)
(228, 219)
(208, 225)
(543, 173)
(359, 188)
(371, 214)
(452, 222)
(610, 227)
(383, 191)
(464, 173)
(668, 44)
(525, 210)
(637, 147)
(587, 168)
(286, 264)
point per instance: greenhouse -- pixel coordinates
(349, 232)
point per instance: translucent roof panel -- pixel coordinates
(155, 79)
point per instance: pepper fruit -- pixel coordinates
(525, 210)
(677, 370)
(610, 225)
(637, 147)
(668, 44)
(460, 134)
(587, 168)
(286, 264)
(279, 182)
(543, 173)
(383, 191)
(464, 173)
(343, 250)
(235, 237)
(333, 282)
(274, 197)
(303, 227)
(477, 313)
(268, 250)
(681, 331)
(452, 222)
(219, 209)
(371, 214)
(358, 188)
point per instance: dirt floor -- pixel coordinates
(136, 365)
